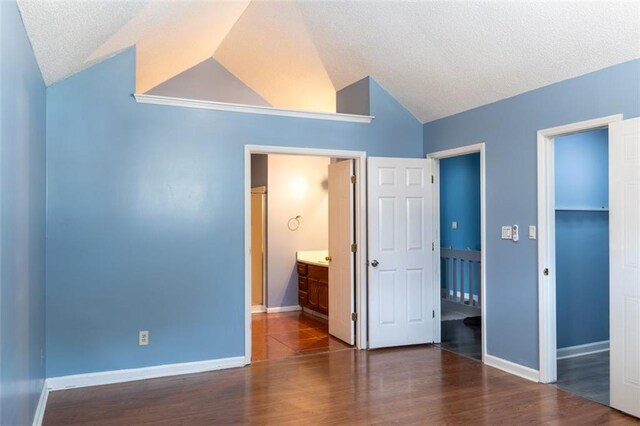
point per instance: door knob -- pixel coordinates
(374, 263)
(328, 258)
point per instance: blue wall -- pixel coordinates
(145, 217)
(22, 222)
(582, 170)
(460, 201)
(582, 238)
(508, 128)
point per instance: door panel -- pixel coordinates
(400, 259)
(340, 288)
(624, 223)
(312, 293)
(257, 248)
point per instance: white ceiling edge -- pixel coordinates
(551, 83)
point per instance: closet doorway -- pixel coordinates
(589, 259)
(582, 263)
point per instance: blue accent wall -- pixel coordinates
(582, 238)
(145, 216)
(22, 222)
(460, 202)
(582, 170)
(508, 128)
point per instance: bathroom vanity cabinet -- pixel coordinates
(313, 287)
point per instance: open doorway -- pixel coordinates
(582, 263)
(303, 257)
(460, 254)
(588, 258)
(459, 249)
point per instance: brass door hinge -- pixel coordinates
(354, 248)
(354, 316)
(353, 180)
(431, 178)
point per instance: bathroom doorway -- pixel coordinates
(303, 284)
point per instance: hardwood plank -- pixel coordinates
(412, 385)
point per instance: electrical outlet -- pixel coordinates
(514, 234)
(143, 338)
(454, 225)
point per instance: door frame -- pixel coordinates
(436, 157)
(360, 168)
(547, 239)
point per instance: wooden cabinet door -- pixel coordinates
(323, 297)
(312, 293)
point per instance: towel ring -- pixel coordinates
(294, 223)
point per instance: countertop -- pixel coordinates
(313, 257)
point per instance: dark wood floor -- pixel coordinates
(586, 376)
(412, 385)
(288, 334)
(462, 339)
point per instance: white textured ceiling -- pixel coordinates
(171, 36)
(437, 58)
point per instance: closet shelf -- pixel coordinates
(582, 209)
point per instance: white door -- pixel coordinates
(400, 260)
(341, 265)
(624, 243)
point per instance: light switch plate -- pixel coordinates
(507, 232)
(454, 225)
(532, 232)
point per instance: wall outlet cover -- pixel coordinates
(143, 338)
(454, 225)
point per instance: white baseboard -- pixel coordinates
(42, 405)
(120, 376)
(580, 350)
(258, 309)
(512, 367)
(284, 309)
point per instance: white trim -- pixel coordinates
(437, 156)
(511, 367)
(360, 158)
(38, 417)
(291, 308)
(547, 240)
(251, 109)
(582, 350)
(133, 374)
(258, 309)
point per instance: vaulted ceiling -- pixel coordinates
(437, 58)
